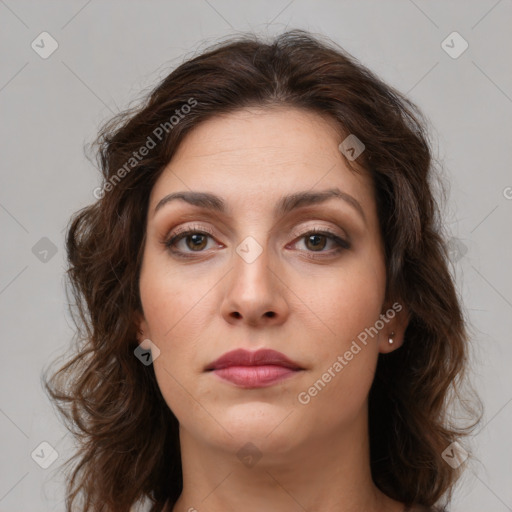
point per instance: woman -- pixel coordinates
(267, 316)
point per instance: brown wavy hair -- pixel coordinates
(128, 437)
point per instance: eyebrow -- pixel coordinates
(285, 205)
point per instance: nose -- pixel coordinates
(255, 293)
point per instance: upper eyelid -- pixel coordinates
(309, 212)
(295, 231)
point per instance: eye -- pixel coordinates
(188, 240)
(184, 242)
(317, 240)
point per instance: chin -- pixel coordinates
(268, 426)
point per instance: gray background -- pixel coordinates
(110, 51)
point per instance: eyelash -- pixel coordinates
(196, 230)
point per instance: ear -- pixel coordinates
(396, 318)
(141, 326)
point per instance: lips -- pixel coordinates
(252, 370)
(263, 357)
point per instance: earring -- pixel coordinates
(390, 339)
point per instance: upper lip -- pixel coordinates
(241, 357)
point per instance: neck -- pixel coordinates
(328, 474)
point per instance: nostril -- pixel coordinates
(269, 314)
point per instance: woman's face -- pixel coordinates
(253, 275)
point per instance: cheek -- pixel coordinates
(344, 303)
(172, 298)
(172, 309)
(348, 304)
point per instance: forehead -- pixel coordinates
(279, 134)
(260, 153)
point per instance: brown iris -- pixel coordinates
(198, 241)
(316, 243)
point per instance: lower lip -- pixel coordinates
(255, 376)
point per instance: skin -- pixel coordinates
(314, 456)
